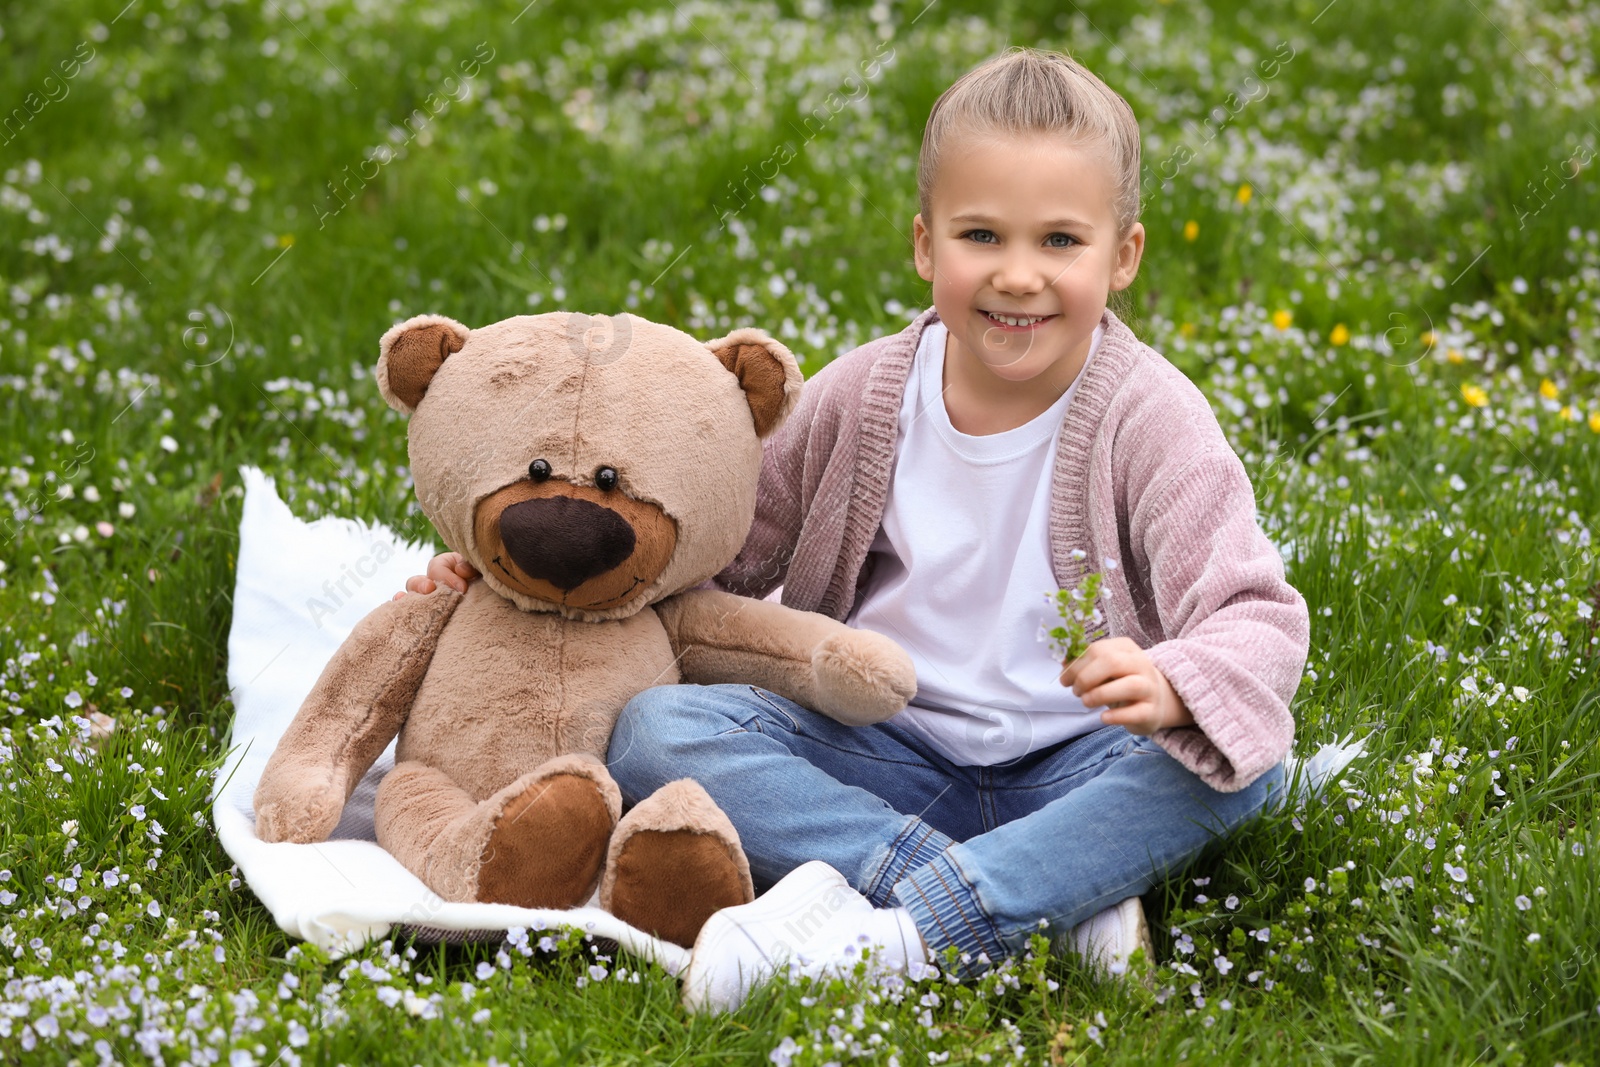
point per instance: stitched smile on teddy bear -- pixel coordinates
(570, 543)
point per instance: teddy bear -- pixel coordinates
(598, 471)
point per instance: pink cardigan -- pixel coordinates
(1143, 477)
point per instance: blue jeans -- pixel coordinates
(978, 855)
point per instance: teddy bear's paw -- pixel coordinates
(674, 860)
(862, 677)
(302, 817)
(547, 846)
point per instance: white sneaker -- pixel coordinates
(812, 922)
(1107, 939)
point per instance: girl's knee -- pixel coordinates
(665, 719)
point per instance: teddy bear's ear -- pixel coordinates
(767, 373)
(411, 353)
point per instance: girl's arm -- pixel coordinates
(769, 547)
(1237, 632)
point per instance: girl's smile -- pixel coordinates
(1017, 323)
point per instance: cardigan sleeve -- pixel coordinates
(769, 548)
(1236, 632)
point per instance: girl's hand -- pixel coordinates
(1117, 672)
(447, 568)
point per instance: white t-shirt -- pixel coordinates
(961, 572)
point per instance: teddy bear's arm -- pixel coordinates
(351, 714)
(855, 676)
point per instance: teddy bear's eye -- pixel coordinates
(539, 470)
(606, 478)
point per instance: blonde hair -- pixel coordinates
(1028, 90)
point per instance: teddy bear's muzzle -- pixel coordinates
(572, 545)
(565, 541)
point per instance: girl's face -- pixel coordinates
(1022, 250)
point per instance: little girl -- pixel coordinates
(933, 486)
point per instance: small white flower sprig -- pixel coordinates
(1079, 616)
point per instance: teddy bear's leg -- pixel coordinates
(537, 843)
(675, 859)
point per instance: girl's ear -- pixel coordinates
(767, 373)
(922, 248)
(411, 353)
(1129, 253)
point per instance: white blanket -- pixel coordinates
(300, 589)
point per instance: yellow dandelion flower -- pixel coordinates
(1429, 339)
(1191, 230)
(1594, 422)
(1565, 413)
(1187, 329)
(1474, 395)
(1454, 355)
(286, 240)
(1281, 319)
(1548, 389)
(1340, 335)
(1245, 193)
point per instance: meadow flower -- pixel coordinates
(1474, 395)
(1548, 389)
(1340, 335)
(1245, 193)
(1282, 318)
(1191, 230)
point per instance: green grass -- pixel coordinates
(171, 307)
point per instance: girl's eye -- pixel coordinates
(981, 236)
(1060, 240)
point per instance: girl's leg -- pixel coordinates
(797, 785)
(1127, 816)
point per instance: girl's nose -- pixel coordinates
(1019, 274)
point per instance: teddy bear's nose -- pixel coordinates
(565, 541)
